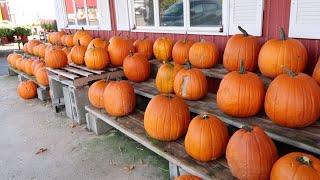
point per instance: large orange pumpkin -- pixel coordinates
(180, 51)
(292, 100)
(20, 64)
(95, 93)
(77, 53)
(166, 117)
(241, 47)
(187, 177)
(31, 44)
(119, 98)
(83, 36)
(241, 93)
(42, 49)
(96, 58)
(12, 58)
(250, 154)
(66, 50)
(207, 138)
(56, 37)
(136, 67)
(316, 72)
(203, 54)
(276, 54)
(42, 76)
(119, 49)
(296, 166)
(34, 65)
(35, 50)
(55, 58)
(165, 76)
(190, 84)
(162, 48)
(27, 89)
(37, 66)
(28, 67)
(97, 42)
(144, 46)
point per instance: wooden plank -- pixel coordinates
(86, 69)
(85, 80)
(173, 151)
(31, 78)
(77, 71)
(307, 138)
(63, 73)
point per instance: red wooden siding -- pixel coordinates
(4, 11)
(276, 14)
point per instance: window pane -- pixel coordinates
(171, 12)
(205, 13)
(92, 12)
(70, 12)
(81, 14)
(144, 12)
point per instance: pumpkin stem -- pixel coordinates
(93, 46)
(290, 72)
(131, 53)
(189, 65)
(145, 36)
(201, 39)
(249, 129)
(304, 160)
(70, 31)
(242, 69)
(120, 34)
(169, 96)
(82, 28)
(244, 32)
(204, 116)
(169, 63)
(186, 38)
(78, 42)
(282, 34)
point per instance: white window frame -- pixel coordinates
(101, 6)
(186, 29)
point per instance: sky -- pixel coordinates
(29, 11)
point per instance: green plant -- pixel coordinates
(6, 32)
(22, 31)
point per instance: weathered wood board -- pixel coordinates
(31, 78)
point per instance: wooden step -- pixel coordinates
(26, 76)
(174, 151)
(305, 138)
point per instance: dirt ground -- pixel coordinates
(72, 152)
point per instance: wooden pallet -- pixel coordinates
(305, 138)
(173, 151)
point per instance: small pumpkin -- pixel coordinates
(98, 42)
(34, 64)
(241, 93)
(119, 49)
(56, 37)
(20, 64)
(207, 138)
(180, 51)
(165, 76)
(241, 47)
(95, 93)
(316, 72)
(296, 166)
(37, 66)
(31, 44)
(276, 54)
(77, 53)
(166, 117)
(25, 48)
(66, 50)
(250, 154)
(203, 54)
(41, 50)
(144, 46)
(55, 58)
(162, 48)
(190, 84)
(28, 67)
(12, 58)
(27, 89)
(292, 100)
(35, 50)
(83, 36)
(187, 177)
(136, 67)
(119, 98)
(96, 58)
(42, 76)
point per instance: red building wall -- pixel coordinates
(4, 11)
(276, 14)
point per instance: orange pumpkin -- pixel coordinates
(144, 46)
(35, 50)
(95, 93)
(162, 48)
(187, 177)
(12, 58)
(190, 84)
(241, 47)
(68, 40)
(83, 36)
(25, 48)
(55, 58)
(42, 49)
(66, 50)
(166, 117)
(20, 64)
(241, 93)
(296, 166)
(56, 37)
(31, 44)
(34, 65)
(37, 66)
(119, 98)
(207, 138)
(97, 42)
(96, 58)
(42, 76)
(136, 67)
(292, 100)
(276, 54)
(165, 76)
(77, 54)
(203, 54)
(180, 51)
(250, 154)
(119, 49)
(27, 89)
(316, 72)
(28, 67)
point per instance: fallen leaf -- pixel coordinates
(128, 168)
(72, 125)
(41, 150)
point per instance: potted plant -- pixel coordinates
(6, 35)
(22, 33)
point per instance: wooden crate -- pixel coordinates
(69, 88)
